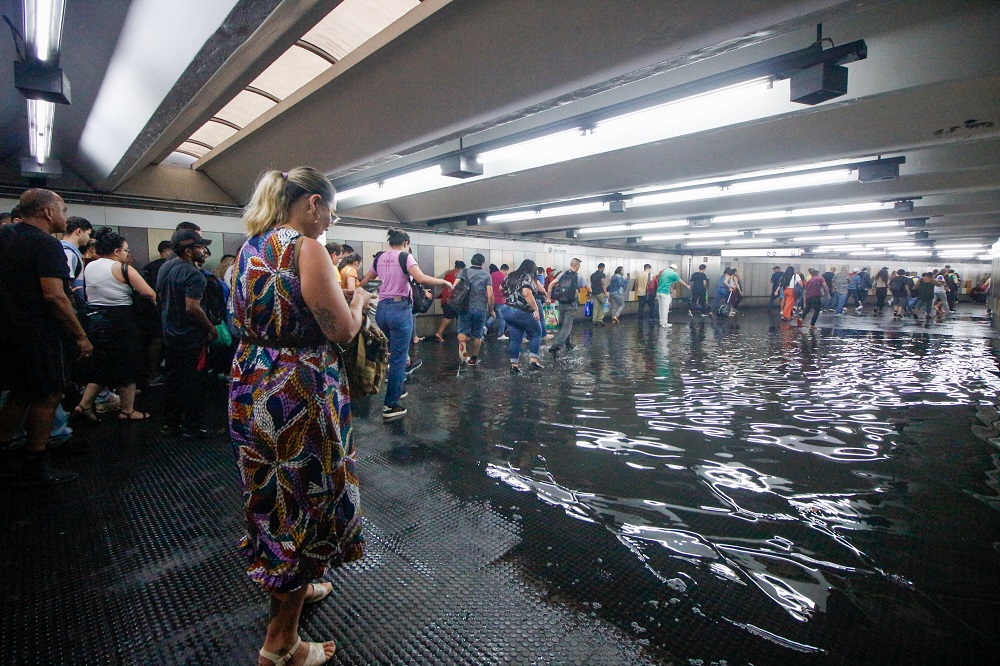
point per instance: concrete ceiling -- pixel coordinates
(471, 73)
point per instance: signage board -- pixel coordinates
(764, 252)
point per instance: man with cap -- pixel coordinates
(187, 331)
(666, 280)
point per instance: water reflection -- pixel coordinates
(762, 460)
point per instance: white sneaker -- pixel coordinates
(503, 337)
(665, 325)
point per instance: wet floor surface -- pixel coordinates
(741, 492)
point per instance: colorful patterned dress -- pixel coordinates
(290, 421)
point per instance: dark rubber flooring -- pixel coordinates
(738, 492)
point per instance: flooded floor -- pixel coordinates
(745, 491)
(724, 493)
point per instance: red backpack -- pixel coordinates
(653, 284)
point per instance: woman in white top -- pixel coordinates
(117, 360)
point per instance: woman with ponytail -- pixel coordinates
(394, 314)
(289, 406)
(117, 360)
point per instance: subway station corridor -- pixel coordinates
(740, 492)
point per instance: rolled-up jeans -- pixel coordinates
(521, 323)
(395, 318)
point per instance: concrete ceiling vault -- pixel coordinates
(460, 75)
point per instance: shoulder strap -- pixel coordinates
(125, 276)
(295, 255)
(402, 263)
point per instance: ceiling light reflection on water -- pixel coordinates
(802, 433)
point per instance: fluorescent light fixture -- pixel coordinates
(413, 182)
(971, 246)
(841, 208)
(350, 193)
(751, 241)
(40, 118)
(752, 217)
(883, 234)
(791, 182)
(704, 234)
(511, 217)
(911, 253)
(43, 24)
(956, 253)
(809, 239)
(791, 230)
(603, 230)
(867, 253)
(665, 224)
(985, 257)
(696, 194)
(865, 225)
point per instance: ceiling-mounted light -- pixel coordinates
(43, 24)
(40, 120)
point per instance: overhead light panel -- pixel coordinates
(41, 116)
(43, 24)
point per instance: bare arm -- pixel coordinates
(339, 320)
(193, 307)
(136, 280)
(529, 296)
(489, 297)
(369, 276)
(425, 279)
(58, 301)
(352, 282)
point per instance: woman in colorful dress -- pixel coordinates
(289, 406)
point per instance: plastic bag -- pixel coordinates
(588, 309)
(551, 313)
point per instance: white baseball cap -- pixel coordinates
(673, 266)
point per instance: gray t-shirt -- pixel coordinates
(176, 281)
(478, 281)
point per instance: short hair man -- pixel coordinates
(699, 291)
(15, 214)
(568, 304)
(449, 314)
(472, 320)
(36, 317)
(336, 252)
(667, 279)
(191, 226)
(77, 236)
(499, 300)
(641, 287)
(187, 331)
(599, 292)
(776, 274)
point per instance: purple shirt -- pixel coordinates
(394, 282)
(814, 288)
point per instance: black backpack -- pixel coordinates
(459, 299)
(421, 301)
(565, 289)
(214, 300)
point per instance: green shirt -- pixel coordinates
(667, 279)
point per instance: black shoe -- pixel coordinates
(413, 366)
(392, 413)
(570, 347)
(201, 432)
(554, 351)
(515, 369)
(535, 365)
(172, 430)
(36, 473)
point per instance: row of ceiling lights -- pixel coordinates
(38, 76)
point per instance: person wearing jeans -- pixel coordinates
(394, 314)
(616, 293)
(523, 315)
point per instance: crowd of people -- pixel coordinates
(76, 317)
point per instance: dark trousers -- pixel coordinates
(814, 303)
(699, 300)
(643, 302)
(184, 386)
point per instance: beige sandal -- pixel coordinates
(317, 593)
(316, 656)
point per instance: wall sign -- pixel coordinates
(765, 252)
(555, 249)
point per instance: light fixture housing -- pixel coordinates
(42, 81)
(461, 166)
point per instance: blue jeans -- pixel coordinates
(839, 301)
(472, 323)
(519, 325)
(395, 318)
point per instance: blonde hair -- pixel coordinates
(275, 193)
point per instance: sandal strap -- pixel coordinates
(278, 660)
